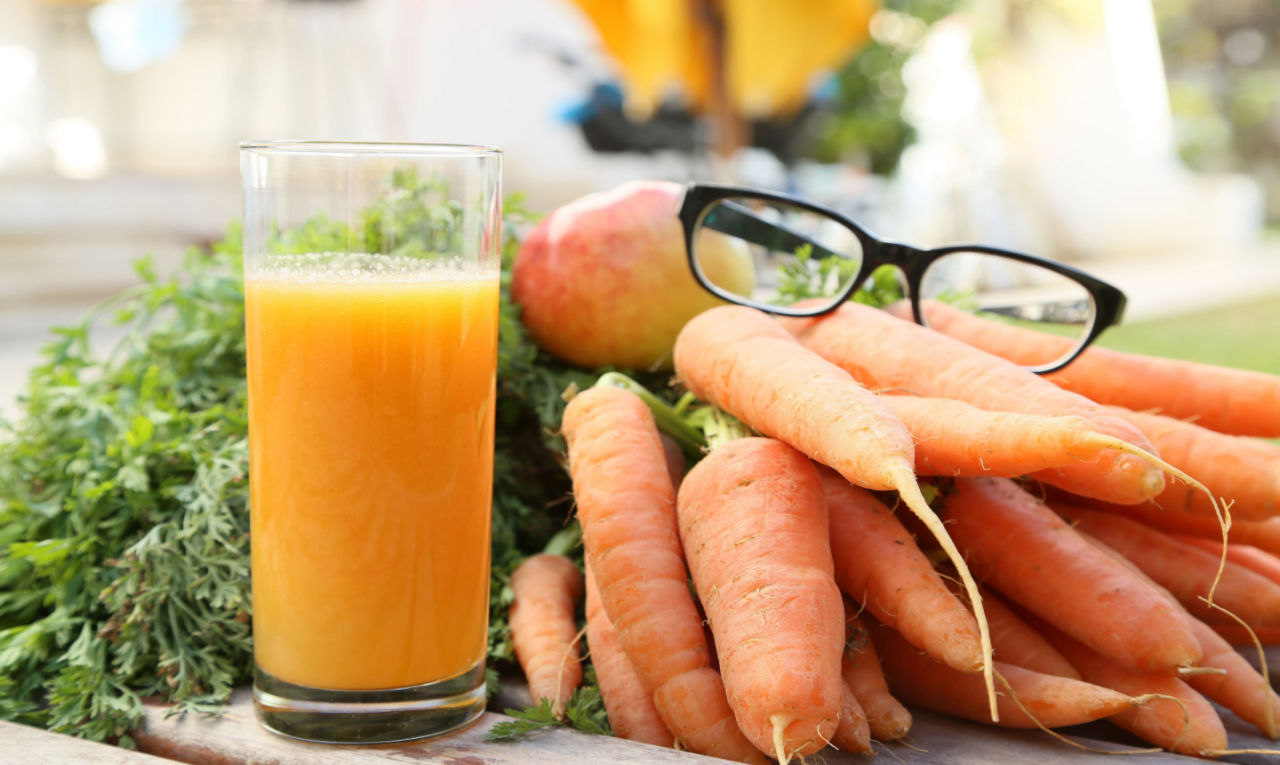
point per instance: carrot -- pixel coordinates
(627, 701)
(547, 588)
(626, 506)
(1020, 644)
(1261, 534)
(1223, 399)
(1239, 687)
(953, 438)
(1258, 561)
(853, 733)
(1244, 471)
(745, 363)
(1193, 727)
(886, 353)
(860, 668)
(1185, 570)
(754, 524)
(1235, 634)
(877, 562)
(1052, 701)
(1027, 553)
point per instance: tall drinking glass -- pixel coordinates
(371, 312)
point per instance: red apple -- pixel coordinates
(605, 279)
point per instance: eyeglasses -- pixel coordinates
(791, 257)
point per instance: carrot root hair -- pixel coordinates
(1221, 510)
(558, 707)
(1137, 701)
(780, 723)
(909, 490)
(1262, 654)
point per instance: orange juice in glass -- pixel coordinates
(371, 416)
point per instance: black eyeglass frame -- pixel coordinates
(1108, 300)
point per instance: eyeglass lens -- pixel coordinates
(962, 292)
(791, 253)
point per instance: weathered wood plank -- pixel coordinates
(33, 746)
(237, 738)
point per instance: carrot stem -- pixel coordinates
(909, 490)
(667, 418)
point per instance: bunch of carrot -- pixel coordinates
(1080, 572)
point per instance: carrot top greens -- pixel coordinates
(124, 526)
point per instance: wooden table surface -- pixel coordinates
(236, 738)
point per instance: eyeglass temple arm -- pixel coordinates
(736, 220)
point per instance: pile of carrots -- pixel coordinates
(916, 520)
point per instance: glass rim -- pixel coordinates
(317, 147)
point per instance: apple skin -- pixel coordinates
(605, 279)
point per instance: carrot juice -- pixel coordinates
(371, 408)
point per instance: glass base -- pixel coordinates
(368, 717)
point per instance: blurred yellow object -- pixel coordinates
(773, 48)
(762, 54)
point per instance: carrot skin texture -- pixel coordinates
(878, 563)
(1183, 569)
(1026, 552)
(1021, 645)
(547, 589)
(1158, 721)
(1054, 701)
(1227, 400)
(954, 438)
(628, 702)
(753, 519)
(860, 668)
(886, 353)
(1264, 535)
(853, 733)
(1258, 561)
(1244, 471)
(626, 505)
(1241, 689)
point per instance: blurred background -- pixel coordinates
(1139, 139)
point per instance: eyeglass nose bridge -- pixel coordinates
(904, 257)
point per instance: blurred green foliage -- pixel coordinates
(1222, 61)
(862, 123)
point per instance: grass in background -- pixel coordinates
(1245, 336)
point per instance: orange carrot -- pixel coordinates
(1258, 561)
(626, 506)
(1235, 634)
(1184, 570)
(628, 702)
(1198, 732)
(1244, 471)
(754, 524)
(1239, 687)
(1051, 700)
(1261, 534)
(543, 629)
(1018, 643)
(745, 363)
(886, 353)
(953, 438)
(878, 563)
(853, 734)
(1224, 399)
(1027, 553)
(887, 718)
